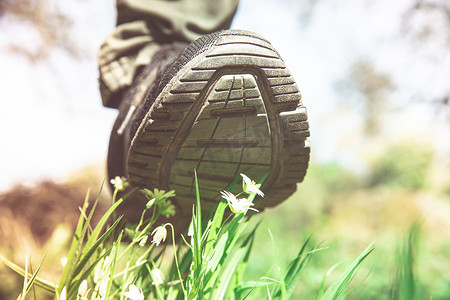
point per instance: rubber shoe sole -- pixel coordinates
(232, 108)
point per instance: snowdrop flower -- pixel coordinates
(157, 276)
(101, 276)
(238, 206)
(143, 241)
(159, 235)
(134, 293)
(150, 202)
(191, 229)
(83, 290)
(250, 187)
(63, 295)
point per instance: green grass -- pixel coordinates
(313, 246)
(209, 262)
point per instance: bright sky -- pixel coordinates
(333, 35)
(52, 122)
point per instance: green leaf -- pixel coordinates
(197, 264)
(32, 280)
(75, 246)
(227, 274)
(297, 266)
(324, 279)
(339, 287)
(116, 247)
(242, 267)
(405, 285)
(251, 285)
(217, 222)
(93, 237)
(42, 283)
(87, 255)
(84, 275)
(217, 254)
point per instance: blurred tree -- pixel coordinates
(52, 26)
(366, 90)
(424, 20)
(427, 22)
(374, 88)
(404, 165)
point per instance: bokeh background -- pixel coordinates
(375, 78)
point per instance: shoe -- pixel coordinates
(227, 105)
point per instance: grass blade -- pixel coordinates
(217, 222)
(296, 267)
(89, 252)
(405, 286)
(322, 283)
(44, 284)
(196, 266)
(98, 228)
(229, 272)
(85, 274)
(75, 245)
(32, 280)
(339, 287)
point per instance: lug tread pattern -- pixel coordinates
(231, 98)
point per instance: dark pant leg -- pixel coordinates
(143, 25)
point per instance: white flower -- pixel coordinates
(159, 235)
(83, 289)
(250, 187)
(103, 287)
(150, 202)
(191, 229)
(102, 269)
(238, 206)
(143, 241)
(120, 183)
(134, 293)
(63, 295)
(101, 276)
(157, 276)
